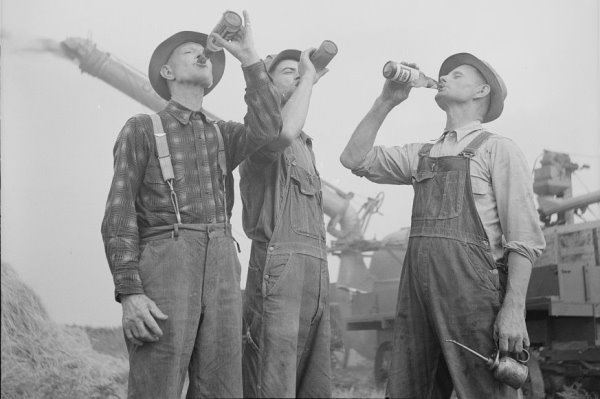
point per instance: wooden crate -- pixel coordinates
(576, 243)
(569, 267)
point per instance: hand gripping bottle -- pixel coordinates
(324, 54)
(227, 28)
(404, 74)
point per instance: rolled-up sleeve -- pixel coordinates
(390, 165)
(262, 122)
(513, 188)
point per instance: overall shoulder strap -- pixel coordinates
(425, 150)
(474, 145)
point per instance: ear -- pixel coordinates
(482, 91)
(166, 72)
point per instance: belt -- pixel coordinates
(172, 230)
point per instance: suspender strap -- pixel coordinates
(162, 148)
(164, 159)
(222, 163)
(470, 150)
(425, 150)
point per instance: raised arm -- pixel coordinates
(363, 138)
(295, 110)
(262, 123)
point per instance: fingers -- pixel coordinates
(142, 332)
(503, 343)
(308, 52)
(132, 338)
(517, 345)
(218, 40)
(246, 18)
(156, 312)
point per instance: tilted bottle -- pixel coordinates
(404, 74)
(228, 26)
(324, 54)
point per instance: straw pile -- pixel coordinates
(41, 359)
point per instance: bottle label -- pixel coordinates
(405, 74)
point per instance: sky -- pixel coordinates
(58, 125)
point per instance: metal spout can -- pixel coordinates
(228, 26)
(504, 369)
(324, 54)
(510, 371)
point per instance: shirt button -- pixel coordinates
(271, 249)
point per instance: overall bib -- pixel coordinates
(286, 306)
(449, 288)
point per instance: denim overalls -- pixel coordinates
(449, 288)
(286, 306)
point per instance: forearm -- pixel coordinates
(293, 115)
(262, 122)
(519, 272)
(364, 135)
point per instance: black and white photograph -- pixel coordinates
(316, 199)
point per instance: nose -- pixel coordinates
(442, 79)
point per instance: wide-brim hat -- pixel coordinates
(289, 54)
(165, 49)
(497, 87)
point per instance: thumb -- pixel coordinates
(156, 312)
(217, 39)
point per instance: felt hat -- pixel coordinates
(165, 49)
(497, 87)
(289, 54)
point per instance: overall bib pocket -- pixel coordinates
(304, 206)
(438, 195)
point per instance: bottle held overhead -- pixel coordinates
(404, 74)
(227, 28)
(324, 54)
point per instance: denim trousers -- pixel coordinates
(286, 314)
(194, 278)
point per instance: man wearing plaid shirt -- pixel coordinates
(169, 243)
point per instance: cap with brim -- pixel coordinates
(165, 49)
(497, 87)
(289, 54)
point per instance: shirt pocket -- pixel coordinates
(305, 208)
(156, 193)
(438, 195)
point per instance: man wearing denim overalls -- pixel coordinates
(166, 228)
(473, 222)
(286, 307)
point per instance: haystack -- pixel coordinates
(42, 359)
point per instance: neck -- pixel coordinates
(190, 97)
(461, 114)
